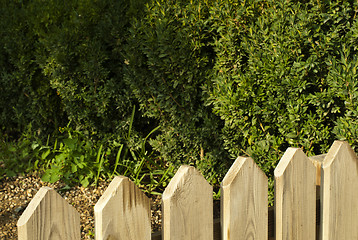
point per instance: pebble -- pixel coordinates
(14, 198)
(29, 192)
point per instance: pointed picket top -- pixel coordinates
(295, 196)
(317, 162)
(49, 216)
(123, 212)
(339, 193)
(188, 207)
(244, 212)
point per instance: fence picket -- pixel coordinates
(339, 193)
(317, 162)
(187, 207)
(49, 216)
(244, 212)
(295, 196)
(123, 212)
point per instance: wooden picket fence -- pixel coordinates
(123, 212)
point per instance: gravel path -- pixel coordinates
(17, 192)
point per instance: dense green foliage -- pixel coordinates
(218, 78)
(285, 75)
(64, 62)
(169, 59)
(75, 159)
(26, 95)
(79, 54)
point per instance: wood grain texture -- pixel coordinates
(49, 217)
(339, 193)
(244, 211)
(271, 226)
(317, 162)
(123, 212)
(187, 207)
(295, 197)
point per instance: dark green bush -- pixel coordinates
(26, 95)
(80, 51)
(63, 61)
(169, 59)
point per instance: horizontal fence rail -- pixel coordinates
(315, 198)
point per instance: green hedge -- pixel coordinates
(220, 78)
(63, 62)
(169, 59)
(80, 54)
(285, 75)
(26, 95)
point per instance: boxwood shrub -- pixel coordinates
(63, 62)
(285, 75)
(168, 60)
(221, 78)
(26, 94)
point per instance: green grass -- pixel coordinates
(70, 156)
(74, 158)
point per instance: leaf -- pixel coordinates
(51, 175)
(99, 154)
(81, 165)
(70, 143)
(291, 135)
(73, 168)
(46, 176)
(45, 154)
(85, 182)
(12, 149)
(60, 159)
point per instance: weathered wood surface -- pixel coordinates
(187, 207)
(244, 211)
(295, 196)
(49, 217)
(317, 162)
(339, 193)
(217, 227)
(123, 212)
